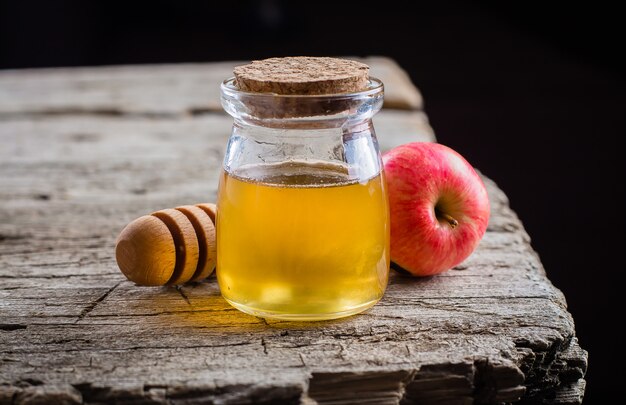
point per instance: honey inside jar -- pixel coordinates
(300, 241)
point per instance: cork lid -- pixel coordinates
(302, 75)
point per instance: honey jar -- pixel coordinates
(303, 216)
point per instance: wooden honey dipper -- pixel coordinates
(169, 247)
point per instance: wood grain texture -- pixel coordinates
(73, 330)
(157, 91)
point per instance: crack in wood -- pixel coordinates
(183, 311)
(199, 111)
(6, 237)
(47, 265)
(9, 327)
(51, 277)
(129, 348)
(95, 303)
(504, 296)
(182, 294)
(108, 112)
(302, 359)
(342, 349)
(54, 276)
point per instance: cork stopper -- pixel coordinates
(302, 75)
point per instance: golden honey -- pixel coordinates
(301, 241)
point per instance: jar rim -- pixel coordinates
(374, 86)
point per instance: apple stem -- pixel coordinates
(453, 222)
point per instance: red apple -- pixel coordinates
(439, 207)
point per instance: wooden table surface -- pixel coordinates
(84, 151)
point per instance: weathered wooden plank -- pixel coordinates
(418, 322)
(73, 330)
(159, 90)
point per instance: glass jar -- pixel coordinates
(303, 216)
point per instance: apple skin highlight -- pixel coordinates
(439, 207)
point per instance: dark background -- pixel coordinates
(533, 96)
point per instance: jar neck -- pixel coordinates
(303, 130)
(302, 112)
